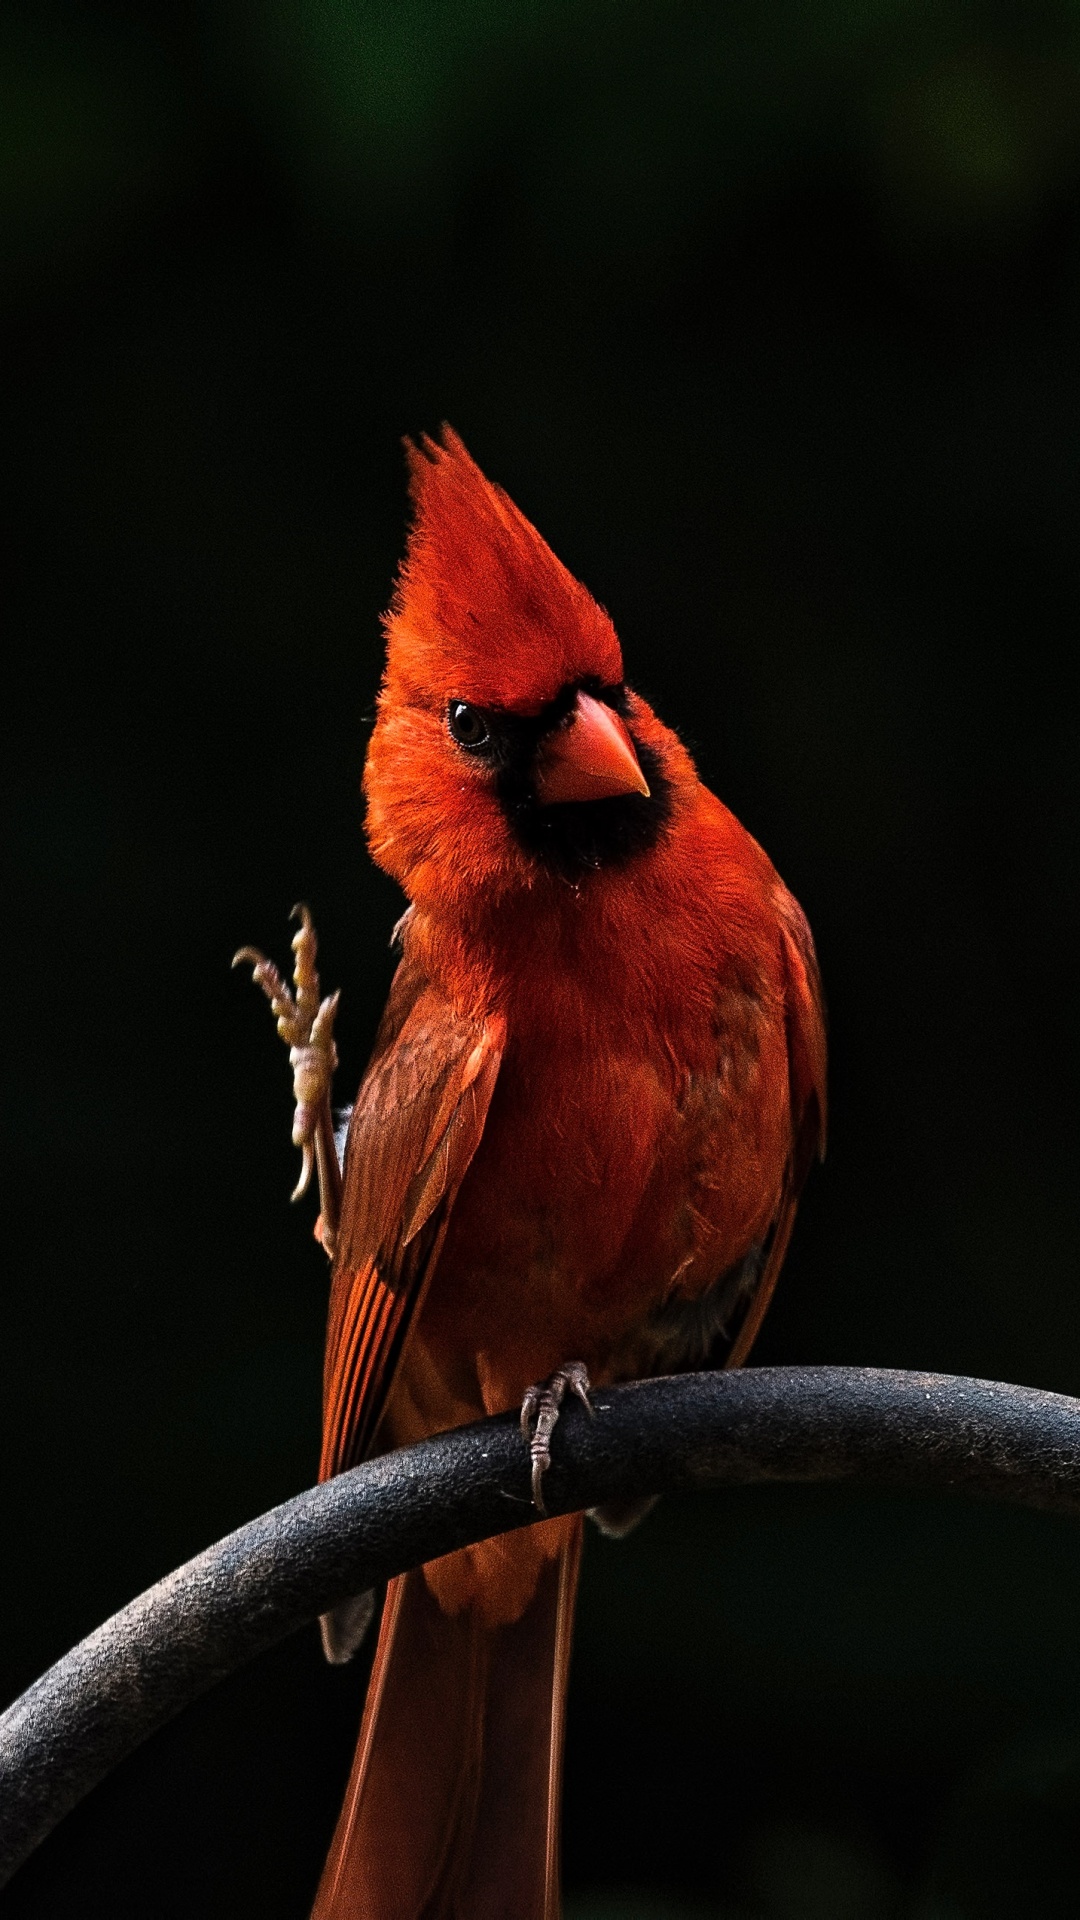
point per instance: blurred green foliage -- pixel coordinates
(627, 126)
(768, 316)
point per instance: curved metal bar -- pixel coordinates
(910, 1430)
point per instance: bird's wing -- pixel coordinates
(416, 1124)
(804, 1004)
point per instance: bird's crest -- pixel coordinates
(483, 610)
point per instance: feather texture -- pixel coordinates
(593, 1101)
(415, 1126)
(453, 1802)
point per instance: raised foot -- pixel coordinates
(540, 1412)
(305, 1021)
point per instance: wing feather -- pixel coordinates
(416, 1124)
(805, 1020)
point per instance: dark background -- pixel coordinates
(767, 314)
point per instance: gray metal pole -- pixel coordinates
(813, 1424)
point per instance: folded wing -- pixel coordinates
(804, 1007)
(416, 1124)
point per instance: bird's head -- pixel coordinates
(506, 743)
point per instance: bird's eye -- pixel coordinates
(467, 725)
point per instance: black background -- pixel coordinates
(767, 315)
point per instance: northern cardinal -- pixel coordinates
(575, 1155)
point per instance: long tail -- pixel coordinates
(452, 1808)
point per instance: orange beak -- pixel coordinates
(589, 757)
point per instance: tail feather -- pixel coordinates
(452, 1807)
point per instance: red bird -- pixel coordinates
(575, 1155)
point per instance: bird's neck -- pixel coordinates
(500, 953)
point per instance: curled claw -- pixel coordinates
(306, 1170)
(542, 1403)
(264, 972)
(306, 1024)
(297, 1018)
(313, 1068)
(282, 1005)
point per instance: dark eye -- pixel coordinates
(467, 725)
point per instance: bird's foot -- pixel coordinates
(305, 1021)
(539, 1413)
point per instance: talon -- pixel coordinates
(306, 1024)
(528, 1407)
(306, 1170)
(292, 1023)
(579, 1386)
(542, 1402)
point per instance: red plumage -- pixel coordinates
(598, 1086)
(482, 601)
